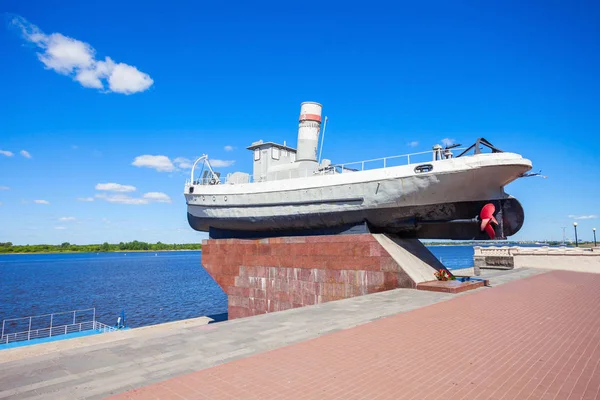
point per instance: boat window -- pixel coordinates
(275, 153)
(423, 168)
(293, 156)
(256, 154)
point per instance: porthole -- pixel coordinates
(191, 189)
(203, 198)
(225, 198)
(214, 198)
(423, 168)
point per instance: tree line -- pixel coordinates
(66, 247)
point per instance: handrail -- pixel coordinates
(45, 315)
(56, 331)
(103, 327)
(53, 330)
(330, 169)
(384, 159)
(389, 157)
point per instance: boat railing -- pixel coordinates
(394, 161)
(236, 179)
(213, 178)
(51, 325)
(205, 181)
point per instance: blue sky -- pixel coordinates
(95, 86)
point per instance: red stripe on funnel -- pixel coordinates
(310, 117)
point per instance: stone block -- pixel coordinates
(388, 264)
(225, 280)
(264, 249)
(281, 249)
(230, 269)
(390, 280)
(240, 281)
(239, 301)
(238, 312)
(238, 291)
(450, 286)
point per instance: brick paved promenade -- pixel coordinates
(535, 338)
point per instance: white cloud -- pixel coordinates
(25, 154)
(115, 187)
(159, 197)
(221, 163)
(229, 148)
(6, 153)
(183, 163)
(127, 79)
(150, 197)
(159, 163)
(121, 199)
(4, 188)
(77, 59)
(85, 199)
(593, 216)
(60, 227)
(41, 202)
(413, 143)
(67, 219)
(448, 141)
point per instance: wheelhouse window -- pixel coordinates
(275, 153)
(256, 154)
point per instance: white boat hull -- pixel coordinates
(395, 199)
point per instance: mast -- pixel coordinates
(322, 140)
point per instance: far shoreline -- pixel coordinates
(442, 244)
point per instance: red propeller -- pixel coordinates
(487, 218)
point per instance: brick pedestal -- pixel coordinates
(275, 274)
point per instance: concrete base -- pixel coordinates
(451, 286)
(275, 274)
(494, 262)
(568, 259)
